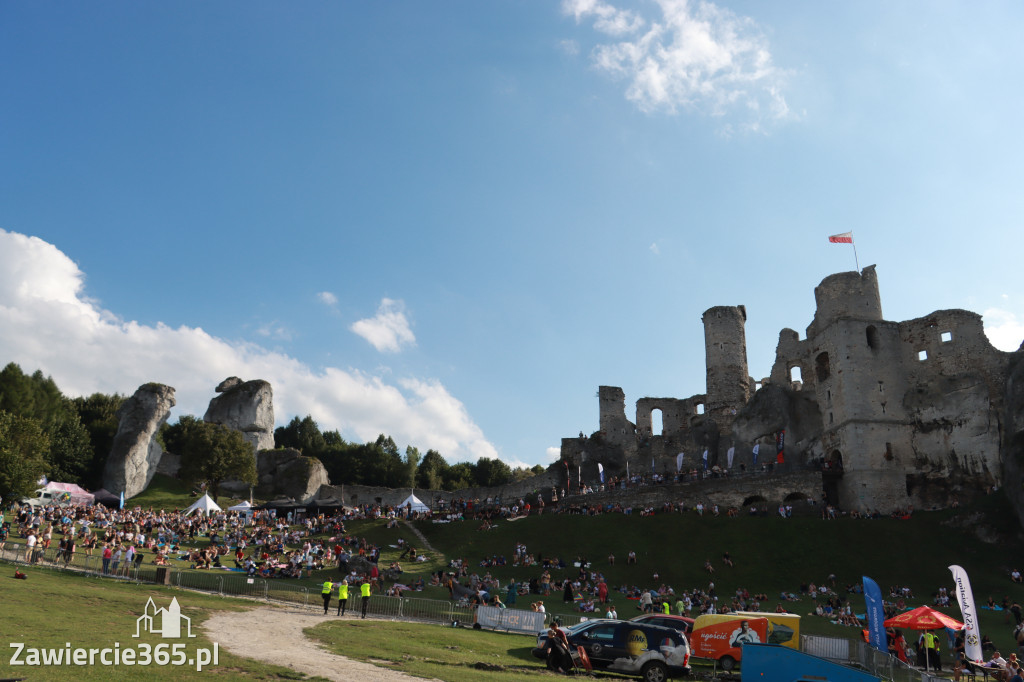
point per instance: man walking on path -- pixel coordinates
(325, 592)
(364, 591)
(342, 596)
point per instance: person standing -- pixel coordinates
(342, 596)
(325, 592)
(107, 554)
(364, 592)
(117, 559)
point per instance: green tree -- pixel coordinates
(71, 454)
(23, 448)
(458, 476)
(412, 460)
(491, 472)
(98, 413)
(431, 471)
(302, 434)
(211, 453)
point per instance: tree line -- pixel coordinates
(381, 463)
(43, 432)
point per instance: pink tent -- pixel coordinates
(76, 494)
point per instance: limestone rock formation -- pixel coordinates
(136, 453)
(1013, 437)
(286, 472)
(246, 406)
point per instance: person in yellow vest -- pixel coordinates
(342, 596)
(666, 607)
(325, 592)
(364, 592)
(931, 647)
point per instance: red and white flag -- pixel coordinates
(844, 238)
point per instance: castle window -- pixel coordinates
(922, 355)
(946, 337)
(657, 427)
(828, 395)
(794, 373)
(757, 385)
(700, 408)
(831, 418)
(822, 367)
(872, 334)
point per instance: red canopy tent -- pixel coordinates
(924, 618)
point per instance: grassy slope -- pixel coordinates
(50, 609)
(770, 554)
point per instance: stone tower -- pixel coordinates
(725, 347)
(856, 359)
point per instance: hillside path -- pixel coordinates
(422, 538)
(274, 635)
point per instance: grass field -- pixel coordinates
(52, 610)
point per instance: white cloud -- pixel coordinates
(1003, 329)
(327, 298)
(655, 249)
(697, 57)
(47, 324)
(607, 18)
(554, 454)
(274, 330)
(570, 47)
(389, 330)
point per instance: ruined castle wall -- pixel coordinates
(768, 489)
(790, 352)
(615, 428)
(953, 343)
(675, 415)
(725, 347)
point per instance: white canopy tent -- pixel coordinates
(242, 506)
(204, 505)
(414, 504)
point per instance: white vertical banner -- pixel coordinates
(728, 457)
(964, 595)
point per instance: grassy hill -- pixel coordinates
(770, 554)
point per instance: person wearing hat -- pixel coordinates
(342, 596)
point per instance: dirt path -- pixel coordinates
(274, 635)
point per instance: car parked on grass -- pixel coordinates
(651, 652)
(681, 623)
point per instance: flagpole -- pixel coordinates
(855, 259)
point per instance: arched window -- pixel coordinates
(794, 373)
(657, 426)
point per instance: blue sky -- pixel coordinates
(451, 222)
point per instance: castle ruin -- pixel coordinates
(892, 414)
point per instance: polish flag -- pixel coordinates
(844, 238)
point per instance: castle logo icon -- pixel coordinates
(164, 622)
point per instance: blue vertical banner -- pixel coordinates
(600, 471)
(876, 615)
(121, 502)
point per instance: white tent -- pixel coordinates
(414, 504)
(243, 507)
(204, 505)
